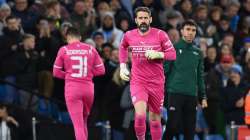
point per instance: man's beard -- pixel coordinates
(143, 27)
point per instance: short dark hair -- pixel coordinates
(11, 17)
(189, 22)
(72, 31)
(142, 9)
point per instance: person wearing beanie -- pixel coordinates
(233, 98)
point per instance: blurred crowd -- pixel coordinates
(32, 31)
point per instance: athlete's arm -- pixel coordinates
(58, 65)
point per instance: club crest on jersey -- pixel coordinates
(180, 51)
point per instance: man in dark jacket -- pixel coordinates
(233, 98)
(27, 71)
(12, 36)
(184, 84)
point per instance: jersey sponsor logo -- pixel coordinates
(180, 51)
(143, 48)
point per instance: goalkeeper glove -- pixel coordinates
(124, 72)
(152, 54)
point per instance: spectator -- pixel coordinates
(186, 8)
(232, 12)
(47, 44)
(39, 7)
(102, 7)
(211, 60)
(224, 26)
(106, 51)
(56, 12)
(213, 88)
(203, 44)
(243, 31)
(233, 96)
(27, 71)
(114, 91)
(98, 38)
(112, 64)
(59, 34)
(83, 18)
(173, 20)
(127, 105)
(223, 69)
(124, 24)
(167, 7)
(119, 12)
(111, 33)
(90, 42)
(246, 76)
(8, 125)
(222, 3)
(5, 11)
(174, 35)
(216, 15)
(244, 51)
(8, 51)
(224, 50)
(228, 40)
(28, 19)
(201, 16)
(245, 9)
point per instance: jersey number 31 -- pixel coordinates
(81, 66)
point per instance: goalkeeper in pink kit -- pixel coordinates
(149, 47)
(77, 63)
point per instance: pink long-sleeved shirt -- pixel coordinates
(78, 62)
(142, 68)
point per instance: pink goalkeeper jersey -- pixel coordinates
(145, 70)
(78, 62)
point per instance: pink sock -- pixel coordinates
(156, 130)
(140, 126)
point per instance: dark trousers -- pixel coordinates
(181, 116)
